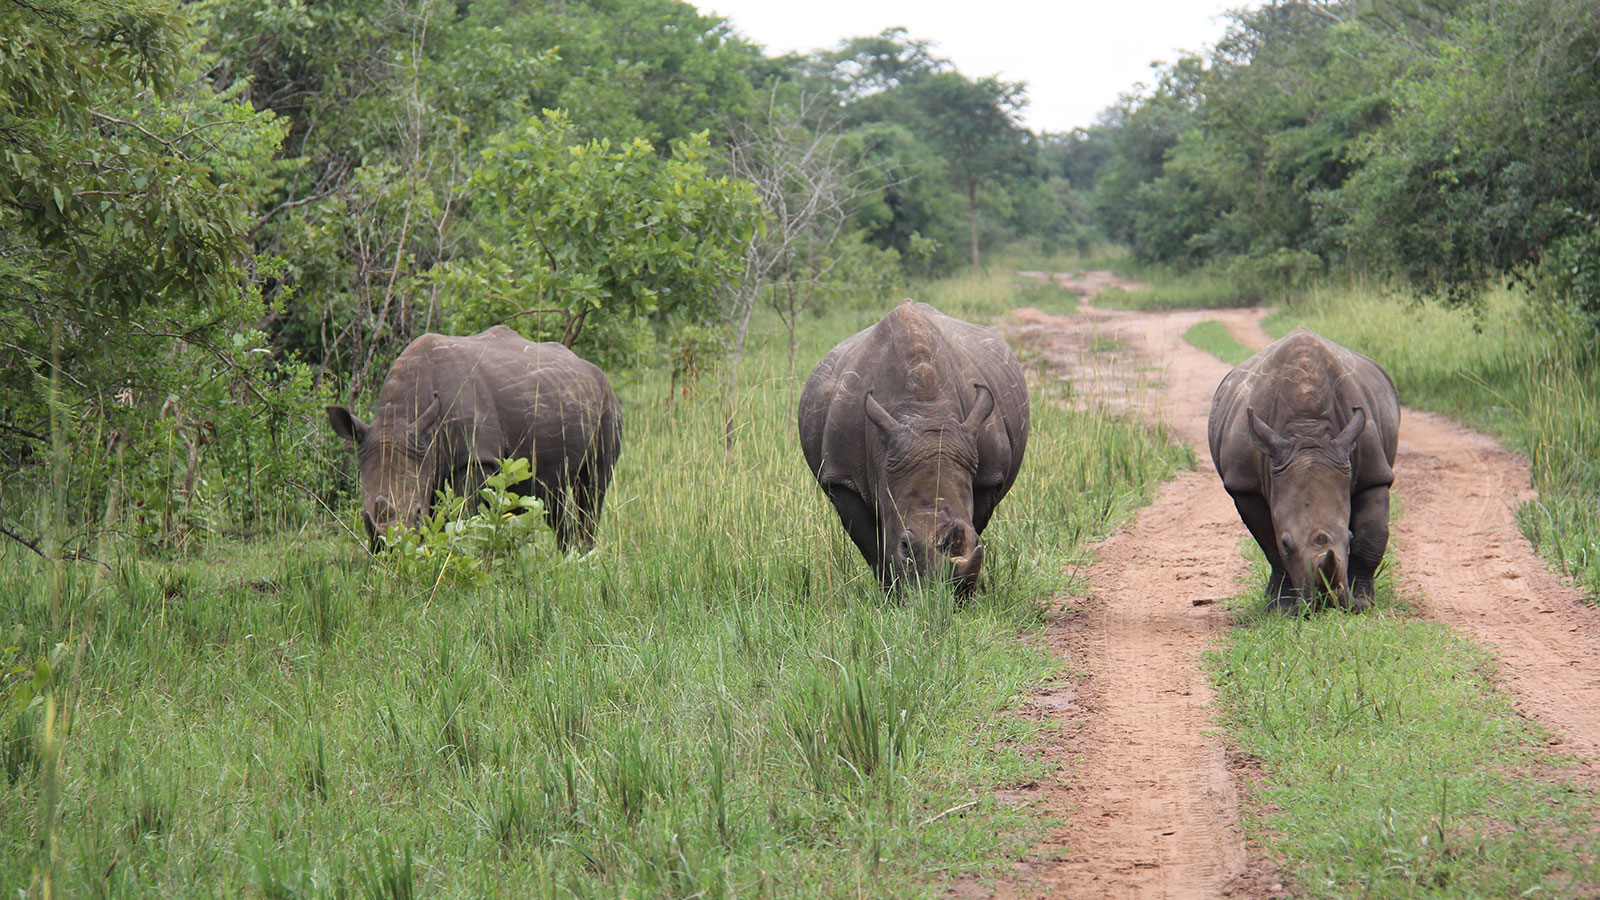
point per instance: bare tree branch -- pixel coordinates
(31, 545)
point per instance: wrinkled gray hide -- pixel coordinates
(451, 406)
(915, 429)
(1303, 435)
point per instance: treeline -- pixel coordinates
(216, 216)
(1450, 144)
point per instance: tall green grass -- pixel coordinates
(718, 703)
(1390, 767)
(1499, 369)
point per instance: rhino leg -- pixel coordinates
(1369, 530)
(588, 496)
(861, 523)
(1257, 516)
(557, 509)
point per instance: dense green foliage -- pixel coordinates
(129, 314)
(1448, 144)
(718, 702)
(958, 148)
(581, 231)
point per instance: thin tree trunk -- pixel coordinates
(972, 217)
(55, 525)
(112, 520)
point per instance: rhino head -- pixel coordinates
(1309, 496)
(392, 452)
(925, 506)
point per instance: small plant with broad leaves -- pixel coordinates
(454, 546)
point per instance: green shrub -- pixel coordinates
(451, 546)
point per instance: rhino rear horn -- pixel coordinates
(981, 407)
(880, 416)
(423, 427)
(1266, 440)
(1347, 437)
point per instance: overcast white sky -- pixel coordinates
(1075, 56)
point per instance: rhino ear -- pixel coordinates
(1266, 440)
(346, 425)
(880, 416)
(1347, 437)
(981, 408)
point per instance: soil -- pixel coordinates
(1145, 790)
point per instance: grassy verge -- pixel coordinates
(1498, 371)
(718, 703)
(1390, 767)
(1214, 338)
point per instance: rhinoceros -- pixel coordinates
(1303, 435)
(915, 428)
(451, 406)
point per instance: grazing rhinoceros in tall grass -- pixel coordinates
(915, 429)
(451, 406)
(1303, 435)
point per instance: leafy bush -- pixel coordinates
(452, 546)
(1276, 276)
(577, 240)
(1568, 281)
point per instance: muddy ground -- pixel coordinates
(1146, 794)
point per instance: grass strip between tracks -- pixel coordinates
(1387, 765)
(718, 703)
(1213, 337)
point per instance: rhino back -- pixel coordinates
(503, 395)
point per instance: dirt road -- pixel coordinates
(1144, 789)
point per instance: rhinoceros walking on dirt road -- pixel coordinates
(451, 406)
(1303, 435)
(915, 428)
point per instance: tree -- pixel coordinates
(391, 101)
(866, 66)
(807, 182)
(1489, 161)
(130, 301)
(973, 124)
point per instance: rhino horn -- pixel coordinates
(880, 416)
(981, 408)
(428, 419)
(1266, 440)
(1347, 437)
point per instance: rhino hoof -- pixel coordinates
(1285, 603)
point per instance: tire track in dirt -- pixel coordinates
(1149, 806)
